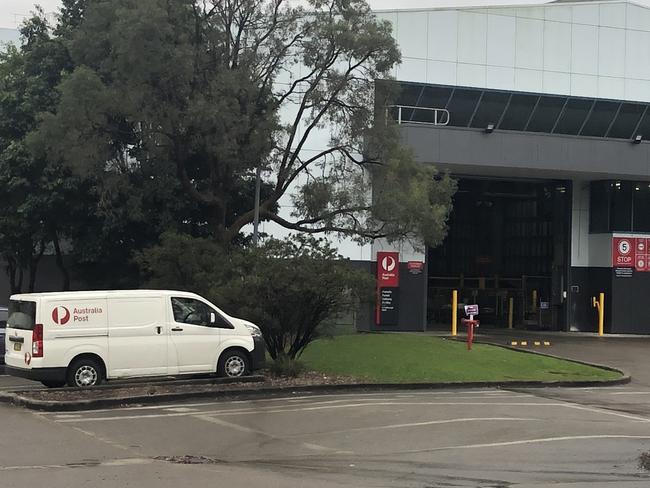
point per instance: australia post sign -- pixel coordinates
(387, 310)
(631, 252)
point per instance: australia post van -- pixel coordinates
(83, 338)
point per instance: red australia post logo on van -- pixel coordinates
(61, 315)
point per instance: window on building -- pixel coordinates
(574, 116)
(621, 206)
(600, 119)
(462, 105)
(490, 109)
(518, 112)
(546, 113)
(627, 120)
(641, 208)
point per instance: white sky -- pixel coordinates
(13, 11)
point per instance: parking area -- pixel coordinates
(573, 437)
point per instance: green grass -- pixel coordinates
(404, 358)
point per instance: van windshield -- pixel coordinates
(22, 315)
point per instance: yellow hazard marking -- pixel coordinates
(537, 343)
(524, 343)
(513, 343)
(546, 343)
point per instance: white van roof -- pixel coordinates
(81, 295)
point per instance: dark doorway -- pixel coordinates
(507, 240)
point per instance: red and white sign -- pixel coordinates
(387, 269)
(415, 267)
(61, 315)
(631, 252)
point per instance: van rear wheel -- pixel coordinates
(233, 364)
(85, 372)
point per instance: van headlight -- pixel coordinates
(254, 330)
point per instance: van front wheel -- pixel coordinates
(233, 364)
(84, 372)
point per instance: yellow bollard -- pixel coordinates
(510, 312)
(601, 314)
(454, 313)
(600, 306)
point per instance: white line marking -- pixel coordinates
(113, 462)
(181, 409)
(307, 409)
(630, 393)
(528, 441)
(422, 424)
(358, 396)
(241, 428)
(607, 412)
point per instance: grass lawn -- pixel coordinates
(403, 358)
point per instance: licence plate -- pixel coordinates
(17, 346)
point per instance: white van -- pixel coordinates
(83, 338)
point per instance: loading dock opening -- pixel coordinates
(506, 239)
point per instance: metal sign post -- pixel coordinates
(470, 311)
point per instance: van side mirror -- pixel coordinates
(213, 318)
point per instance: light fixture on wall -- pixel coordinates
(637, 139)
(489, 129)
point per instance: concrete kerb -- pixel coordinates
(21, 398)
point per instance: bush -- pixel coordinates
(292, 289)
(285, 367)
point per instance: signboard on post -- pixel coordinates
(387, 310)
(471, 310)
(631, 252)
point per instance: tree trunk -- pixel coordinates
(33, 266)
(60, 263)
(12, 271)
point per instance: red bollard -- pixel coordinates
(470, 323)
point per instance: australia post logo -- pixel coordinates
(61, 315)
(388, 269)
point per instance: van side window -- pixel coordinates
(195, 312)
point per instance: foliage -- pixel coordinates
(285, 367)
(205, 92)
(289, 288)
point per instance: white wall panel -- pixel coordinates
(501, 40)
(528, 80)
(530, 44)
(531, 13)
(500, 78)
(584, 85)
(612, 15)
(638, 90)
(637, 55)
(557, 38)
(412, 34)
(586, 14)
(412, 70)
(558, 83)
(443, 35)
(638, 18)
(584, 49)
(558, 13)
(472, 34)
(441, 72)
(611, 87)
(611, 52)
(471, 75)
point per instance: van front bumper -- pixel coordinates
(38, 374)
(258, 354)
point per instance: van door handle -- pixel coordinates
(177, 329)
(159, 329)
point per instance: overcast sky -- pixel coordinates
(13, 11)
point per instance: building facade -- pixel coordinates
(547, 134)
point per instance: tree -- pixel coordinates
(208, 91)
(290, 288)
(36, 192)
